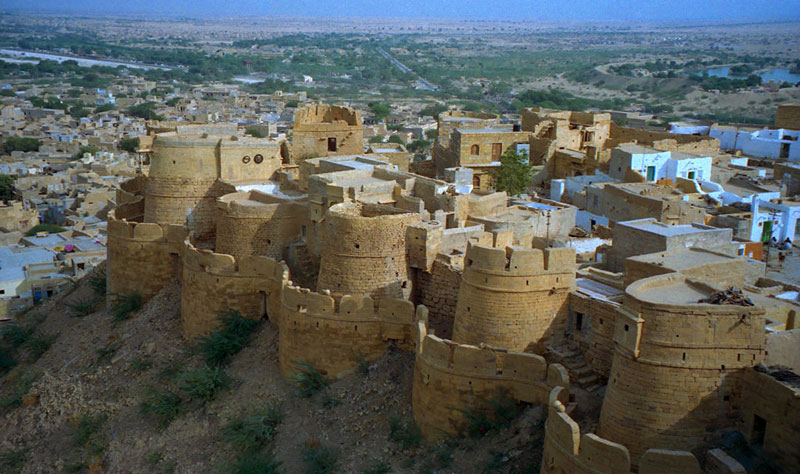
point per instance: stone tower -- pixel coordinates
(325, 130)
(678, 366)
(364, 251)
(512, 297)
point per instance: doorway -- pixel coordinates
(766, 233)
(497, 149)
(690, 175)
(759, 430)
(651, 173)
(784, 150)
(331, 143)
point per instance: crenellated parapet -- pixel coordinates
(142, 257)
(678, 365)
(567, 450)
(514, 297)
(130, 199)
(335, 339)
(451, 378)
(215, 282)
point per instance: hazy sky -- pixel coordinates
(655, 10)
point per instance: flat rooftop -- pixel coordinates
(655, 227)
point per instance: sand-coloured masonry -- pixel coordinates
(566, 450)
(142, 257)
(254, 223)
(334, 340)
(364, 251)
(677, 370)
(215, 282)
(322, 130)
(513, 297)
(451, 378)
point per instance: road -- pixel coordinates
(86, 61)
(423, 84)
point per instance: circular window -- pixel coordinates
(246, 159)
(258, 159)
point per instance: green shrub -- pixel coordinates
(319, 459)
(50, 228)
(253, 463)
(254, 132)
(7, 362)
(87, 435)
(81, 308)
(22, 385)
(163, 405)
(363, 365)
(330, 401)
(141, 364)
(308, 379)
(105, 353)
(405, 433)
(15, 335)
(380, 467)
(502, 409)
(129, 144)
(249, 431)
(38, 344)
(97, 282)
(203, 384)
(13, 460)
(231, 336)
(125, 304)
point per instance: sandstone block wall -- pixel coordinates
(677, 370)
(438, 291)
(252, 223)
(566, 450)
(214, 282)
(788, 116)
(333, 340)
(130, 199)
(596, 335)
(449, 377)
(316, 124)
(662, 140)
(364, 251)
(142, 257)
(514, 298)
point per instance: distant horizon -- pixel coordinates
(626, 11)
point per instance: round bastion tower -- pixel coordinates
(678, 365)
(364, 251)
(513, 298)
(180, 188)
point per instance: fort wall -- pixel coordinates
(595, 336)
(317, 127)
(662, 140)
(253, 223)
(334, 340)
(671, 383)
(567, 450)
(451, 378)
(215, 282)
(514, 298)
(130, 199)
(142, 257)
(364, 251)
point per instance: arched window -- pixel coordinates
(475, 150)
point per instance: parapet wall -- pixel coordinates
(142, 257)
(514, 298)
(662, 140)
(215, 282)
(334, 340)
(183, 201)
(451, 378)
(677, 370)
(250, 223)
(364, 251)
(566, 450)
(130, 199)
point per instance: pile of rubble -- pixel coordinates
(732, 295)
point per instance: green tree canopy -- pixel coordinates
(254, 132)
(146, 110)
(433, 110)
(396, 139)
(85, 149)
(418, 146)
(14, 143)
(514, 174)
(6, 187)
(129, 144)
(381, 111)
(376, 139)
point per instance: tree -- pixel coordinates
(129, 144)
(432, 110)
(254, 132)
(376, 139)
(91, 149)
(514, 174)
(173, 101)
(418, 146)
(431, 133)
(145, 111)
(104, 108)
(14, 143)
(379, 110)
(396, 139)
(6, 187)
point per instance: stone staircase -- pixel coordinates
(301, 265)
(580, 373)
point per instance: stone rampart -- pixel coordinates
(364, 251)
(514, 298)
(250, 223)
(451, 378)
(334, 339)
(142, 257)
(567, 450)
(215, 282)
(677, 370)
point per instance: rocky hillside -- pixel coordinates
(83, 389)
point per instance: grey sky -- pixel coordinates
(642, 10)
